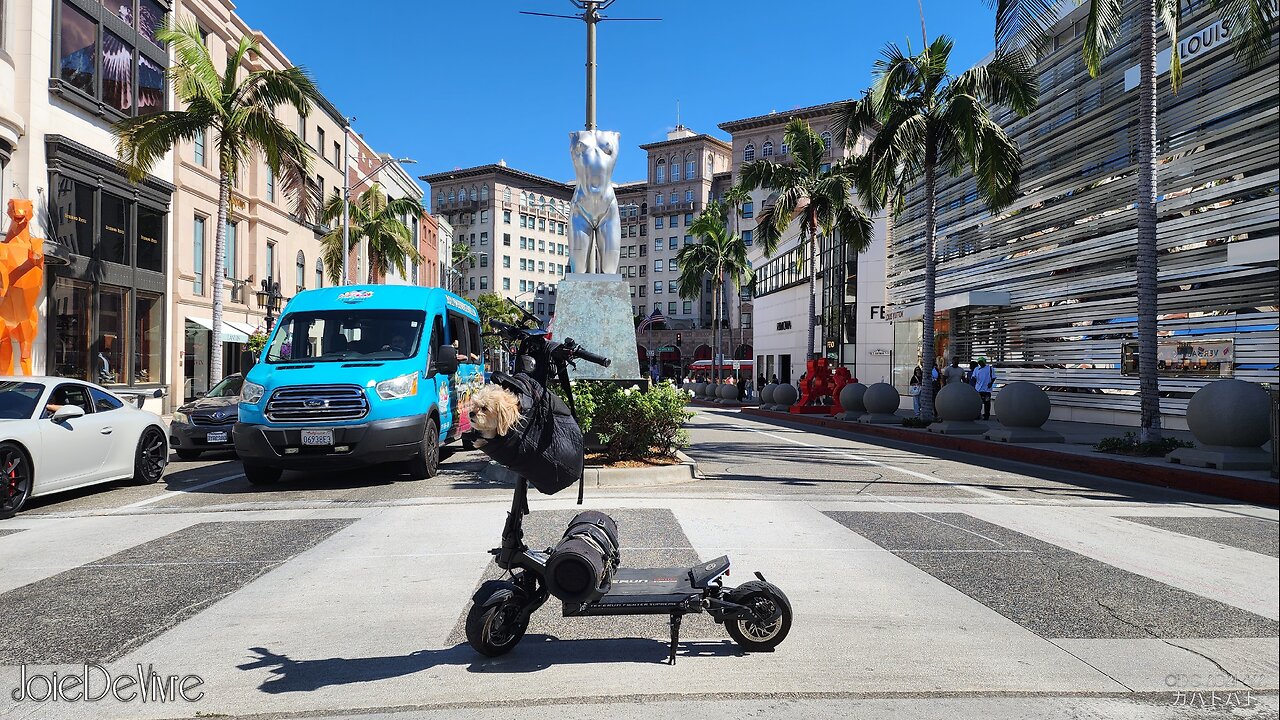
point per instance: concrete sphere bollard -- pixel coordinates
(728, 392)
(786, 395)
(958, 401)
(1022, 404)
(712, 391)
(697, 388)
(766, 394)
(881, 399)
(851, 396)
(1230, 412)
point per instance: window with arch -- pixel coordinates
(660, 173)
(319, 273)
(749, 152)
(826, 139)
(484, 192)
(506, 194)
(711, 165)
(300, 271)
(690, 167)
(784, 149)
(766, 150)
(674, 198)
(524, 198)
(474, 195)
(675, 169)
(452, 196)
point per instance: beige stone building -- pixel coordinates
(514, 224)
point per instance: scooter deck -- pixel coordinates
(652, 591)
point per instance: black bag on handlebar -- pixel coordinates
(545, 447)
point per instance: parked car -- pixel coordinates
(205, 423)
(60, 434)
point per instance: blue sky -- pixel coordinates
(457, 83)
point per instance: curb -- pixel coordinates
(1209, 483)
(684, 471)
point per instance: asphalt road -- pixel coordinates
(925, 585)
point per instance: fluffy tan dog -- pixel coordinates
(494, 411)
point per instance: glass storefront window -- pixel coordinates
(114, 229)
(110, 349)
(907, 336)
(75, 211)
(150, 86)
(117, 72)
(148, 338)
(149, 246)
(78, 45)
(69, 308)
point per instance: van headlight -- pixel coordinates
(251, 392)
(399, 387)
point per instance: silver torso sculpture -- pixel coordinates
(595, 239)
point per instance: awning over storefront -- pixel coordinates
(245, 328)
(972, 298)
(230, 333)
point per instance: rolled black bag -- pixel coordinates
(545, 447)
(580, 568)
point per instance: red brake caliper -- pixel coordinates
(12, 472)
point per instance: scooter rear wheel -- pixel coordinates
(494, 629)
(767, 601)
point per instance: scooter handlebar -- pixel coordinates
(579, 353)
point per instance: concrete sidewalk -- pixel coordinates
(1076, 453)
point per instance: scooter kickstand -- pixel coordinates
(675, 637)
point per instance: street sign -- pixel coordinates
(667, 349)
(737, 365)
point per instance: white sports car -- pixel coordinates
(58, 434)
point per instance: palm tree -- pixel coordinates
(929, 121)
(380, 221)
(238, 108)
(818, 193)
(1025, 24)
(732, 201)
(718, 254)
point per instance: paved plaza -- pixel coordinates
(924, 586)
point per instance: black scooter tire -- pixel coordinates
(749, 635)
(494, 630)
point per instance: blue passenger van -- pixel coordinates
(358, 375)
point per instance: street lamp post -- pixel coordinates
(269, 298)
(455, 272)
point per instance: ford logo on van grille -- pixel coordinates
(315, 403)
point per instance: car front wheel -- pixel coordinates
(16, 479)
(151, 457)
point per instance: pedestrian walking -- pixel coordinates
(760, 381)
(968, 376)
(984, 377)
(775, 379)
(917, 385)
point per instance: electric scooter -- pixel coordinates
(756, 614)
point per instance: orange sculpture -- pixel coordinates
(21, 278)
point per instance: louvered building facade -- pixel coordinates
(1047, 289)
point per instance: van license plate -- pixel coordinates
(216, 437)
(317, 437)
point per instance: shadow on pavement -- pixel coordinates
(535, 653)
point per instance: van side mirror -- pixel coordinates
(446, 362)
(67, 412)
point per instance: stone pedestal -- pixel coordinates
(1022, 408)
(881, 401)
(851, 400)
(958, 406)
(1230, 420)
(1222, 457)
(595, 310)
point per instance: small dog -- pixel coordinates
(494, 411)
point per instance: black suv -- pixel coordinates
(205, 423)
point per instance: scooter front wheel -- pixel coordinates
(494, 624)
(767, 601)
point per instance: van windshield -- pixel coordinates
(344, 335)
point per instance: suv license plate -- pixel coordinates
(317, 437)
(216, 437)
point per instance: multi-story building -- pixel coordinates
(852, 329)
(68, 70)
(427, 270)
(515, 226)
(449, 273)
(396, 182)
(633, 259)
(1046, 289)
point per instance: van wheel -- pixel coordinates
(261, 474)
(427, 462)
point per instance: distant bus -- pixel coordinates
(358, 375)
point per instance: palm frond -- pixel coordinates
(235, 59)
(854, 119)
(273, 88)
(1024, 24)
(1007, 79)
(285, 153)
(1251, 22)
(1170, 13)
(144, 140)
(193, 75)
(1100, 33)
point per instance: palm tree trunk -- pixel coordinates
(930, 270)
(219, 270)
(715, 333)
(1147, 271)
